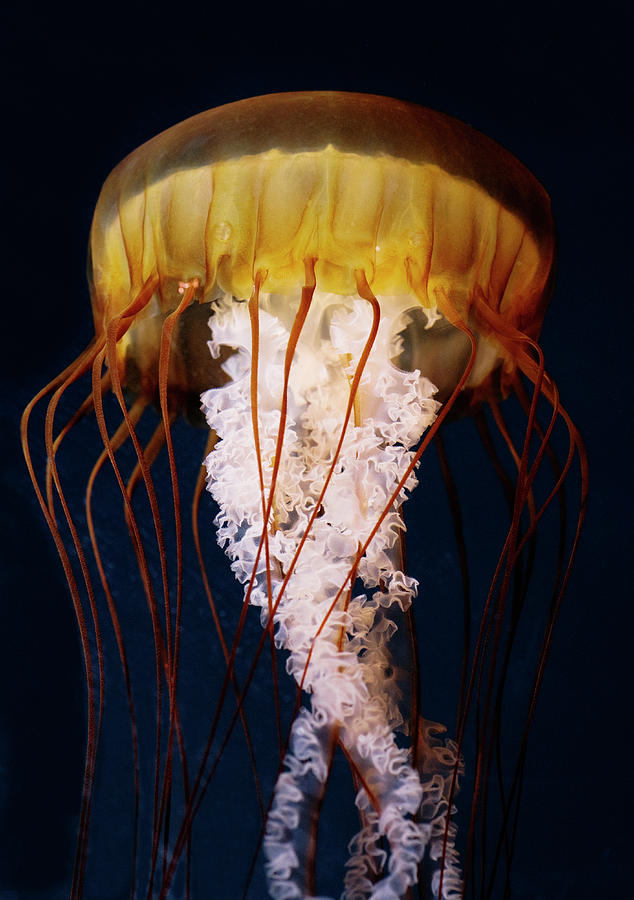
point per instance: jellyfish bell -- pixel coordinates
(368, 268)
(354, 182)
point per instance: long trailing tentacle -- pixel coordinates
(120, 436)
(94, 692)
(202, 781)
(187, 291)
(520, 348)
(200, 486)
(144, 460)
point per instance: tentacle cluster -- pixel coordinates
(338, 639)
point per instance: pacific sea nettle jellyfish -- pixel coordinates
(368, 270)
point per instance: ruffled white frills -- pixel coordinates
(344, 675)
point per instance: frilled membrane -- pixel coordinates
(338, 640)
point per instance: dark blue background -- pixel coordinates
(548, 81)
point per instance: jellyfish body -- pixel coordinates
(370, 268)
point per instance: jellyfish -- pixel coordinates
(323, 282)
